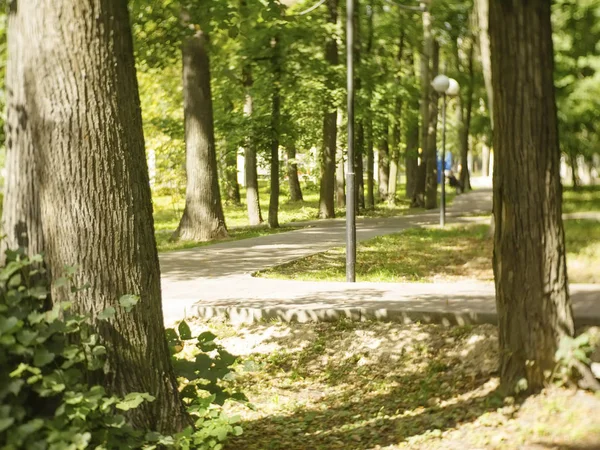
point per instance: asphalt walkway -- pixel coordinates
(216, 280)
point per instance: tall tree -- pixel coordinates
(464, 111)
(534, 310)
(21, 215)
(203, 218)
(383, 160)
(431, 176)
(396, 133)
(411, 118)
(275, 130)
(370, 199)
(327, 182)
(83, 110)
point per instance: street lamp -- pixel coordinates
(445, 86)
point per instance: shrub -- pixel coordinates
(46, 356)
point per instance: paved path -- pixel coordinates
(216, 280)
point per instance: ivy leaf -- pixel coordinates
(184, 331)
(107, 314)
(133, 400)
(128, 301)
(42, 356)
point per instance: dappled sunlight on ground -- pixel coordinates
(373, 385)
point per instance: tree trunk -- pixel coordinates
(360, 178)
(412, 155)
(483, 22)
(250, 169)
(232, 187)
(21, 222)
(485, 159)
(96, 213)
(203, 218)
(395, 153)
(275, 126)
(464, 113)
(340, 180)
(574, 169)
(431, 177)
(370, 200)
(534, 310)
(383, 162)
(292, 171)
(419, 195)
(327, 182)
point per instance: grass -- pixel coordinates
(168, 211)
(370, 385)
(585, 198)
(430, 254)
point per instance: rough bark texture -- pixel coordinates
(292, 172)
(418, 199)
(534, 310)
(431, 181)
(203, 218)
(383, 162)
(275, 125)
(250, 169)
(21, 221)
(96, 213)
(327, 182)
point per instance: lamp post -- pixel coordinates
(445, 86)
(350, 175)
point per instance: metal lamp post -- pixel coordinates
(445, 86)
(350, 175)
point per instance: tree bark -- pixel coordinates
(327, 184)
(275, 125)
(534, 310)
(370, 200)
(411, 154)
(250, 169)
(292, 171)
(464, 113)
(395, 153)
(203, 218)
(360, 177)
(96, 213)
(419, 194)
(383, 162)
(232, 187)
(340, 180)
(21, 221)
(483, 22)
(431, 177)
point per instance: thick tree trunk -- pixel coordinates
(327, 182)
(383, 162)
(250, 167)
(292, 172)
(21, 221)
(431, 177)
(464, 113)
(96, 213)
(275, 126)
(532, 298)
(203, 218)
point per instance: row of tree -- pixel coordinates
(77, 187)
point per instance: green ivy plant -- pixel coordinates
(46, 356)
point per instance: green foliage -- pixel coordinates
(47, 357)
(572, 353)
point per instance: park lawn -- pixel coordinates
(375, 385)
(584, 199)
(425, 255)
(168, 211)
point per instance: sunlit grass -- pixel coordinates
(429, 254)
(585, 198)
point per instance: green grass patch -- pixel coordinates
(430, 254)
(582, 199)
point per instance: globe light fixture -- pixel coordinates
(441, 83)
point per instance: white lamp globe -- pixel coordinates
(441, 83)
(453, 87)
